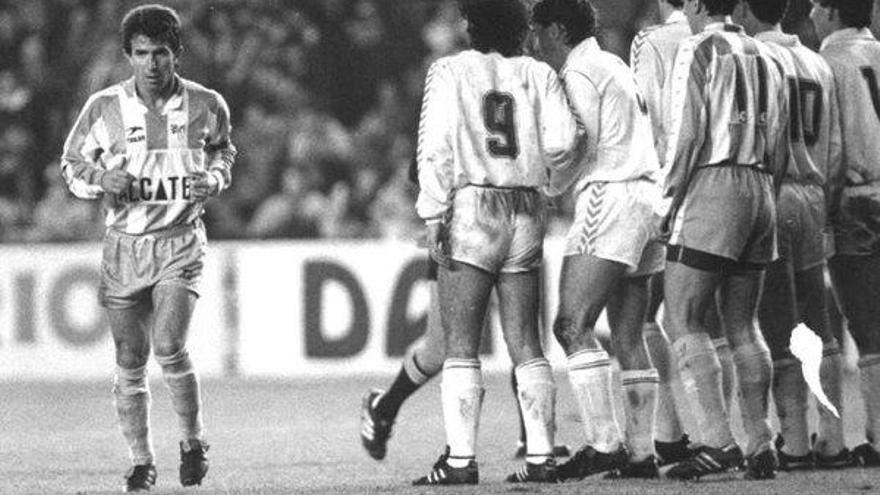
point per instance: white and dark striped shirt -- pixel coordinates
(727, 104)
(490, 120)
(162, 149)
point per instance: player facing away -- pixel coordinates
(609, 253)
(492, 123)
(794, 285)
(651, 56)
(154, 147)
(854, 56)
(728, 111)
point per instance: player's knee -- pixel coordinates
(131, 356)
(169, 347)
(130, 381)
(566, 331)
(176, 362)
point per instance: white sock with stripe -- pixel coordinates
(589, 372)
(869, 371)
(667, 424)
(790, 396)
(725, 357)
(132, 400)
(462, 395)
(640, 392)
(755, 372)
(537, 402)
(830, 440)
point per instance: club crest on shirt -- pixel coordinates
(178, 130)
(135, 134)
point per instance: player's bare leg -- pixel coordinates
(464, 295)
(690, 293)
(738, 300)
(423, 360)
(519, 304)
(670, 441)
(626, 313)
(131, 390)
(857, 282)
(778, 315)
(712, 323)
(586, 283)
(173, 309)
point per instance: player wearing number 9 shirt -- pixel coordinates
(492, 124)
(854, 56)
(794, 286)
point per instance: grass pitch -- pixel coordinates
(294, 436)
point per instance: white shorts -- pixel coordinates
(616, 221)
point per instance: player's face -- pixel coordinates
(821, 17)
(153, 64)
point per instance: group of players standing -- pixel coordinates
(765, 164)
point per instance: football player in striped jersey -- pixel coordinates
(727, 115)
(609, 253)
(492, 123)
(854, 56)
(794, 285)
(154, 147)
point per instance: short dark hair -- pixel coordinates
(853, 13)
(720, 7)
(576, 16)
(769, 11)
(676, 3)
(157, 22)
(496, 25)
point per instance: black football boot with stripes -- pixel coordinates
(588, 461)
(444, 474)
(707, 460)
(140, 478)
(535, 473)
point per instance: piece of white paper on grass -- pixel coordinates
(807, 347)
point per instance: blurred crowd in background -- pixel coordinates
(324, 95)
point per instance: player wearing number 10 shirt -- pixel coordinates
(854, 56)
(492, 123)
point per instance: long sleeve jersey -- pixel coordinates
(727, 104)
(606, 99)
(490, 120)
(162, 150)
(814, 122)
(651, 56)
(854, 57)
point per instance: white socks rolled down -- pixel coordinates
(667, 424)
(132, 400)
(461, 393)
(700, 372)
(830, 440)
(640, 395)
(754, 372)
(589, 372)
(869, 372)
(537, 402)
(183, 384)
(790, 396)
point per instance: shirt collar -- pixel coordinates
(846, 34)
(779, 38)
(676, 17)
(723, 26)
(584, 48)
(175, 102)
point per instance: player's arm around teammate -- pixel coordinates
(608, 256)
(154, 147)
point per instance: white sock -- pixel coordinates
(537, 399)
(589, 372)
(183, 383)
(725, 357)
(830, 440)
(755, 373)
(790, 396)
(132, 399)
(869, 371)
(700, 372)
(462, 395)
(640, 391)
(667, 424)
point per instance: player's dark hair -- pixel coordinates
(853, 13)
(576, 16)
(676, 3)
(496, 25)
(157, 22)
(720, 7)
(768, 11)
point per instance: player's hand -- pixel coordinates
(203, 186)
(438, 243)
(116, 181)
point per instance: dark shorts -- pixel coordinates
(133, 265)
(804, 239)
